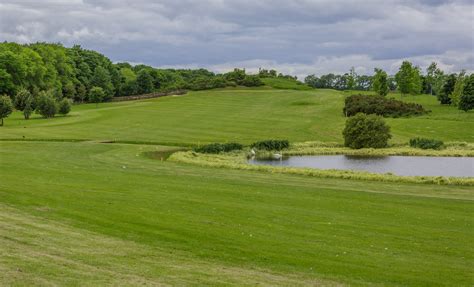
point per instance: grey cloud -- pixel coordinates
(300, 36)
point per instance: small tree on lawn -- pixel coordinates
(96, 95)
(29, 108)
(6, 108)
(24, 100)
(46, 105)
(458, 89)
(366, 131)
(64, 106)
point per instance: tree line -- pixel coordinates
(84, 75)
(455, 89)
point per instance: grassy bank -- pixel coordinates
(92, 214)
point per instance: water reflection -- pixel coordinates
(400, 165)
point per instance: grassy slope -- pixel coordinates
(89, 211)
(243, 115)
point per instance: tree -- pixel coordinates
(64, 106)
(46, 105)
(448, 88)
(96, 95)
(144, 82)
(466, 102)
(7, 86)
(430, 74)
(29, 108)
(455, 96)
(351, 79)
(380, 82)
(22, 96)
(101, 79)
(6, 108)
(408, 79)
(366, 131)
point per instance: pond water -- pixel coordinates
(399, 165)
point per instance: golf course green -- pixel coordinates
(83, 203)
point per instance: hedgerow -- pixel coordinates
(381, 106)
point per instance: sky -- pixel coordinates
(297, 37)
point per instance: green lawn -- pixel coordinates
(89, 213)
(242, 115)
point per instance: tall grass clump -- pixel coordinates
(424, 143)
(271, 145)
(218, 147)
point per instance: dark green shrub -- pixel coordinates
(426, 143)
(218, 147)
(381, 106)
(64, 106)
(366, 131)
(271, 144)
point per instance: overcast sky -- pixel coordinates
(299, 37)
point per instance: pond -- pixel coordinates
(399, 165)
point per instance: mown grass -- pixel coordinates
(89, 199)
(233, 115)
(89, 213)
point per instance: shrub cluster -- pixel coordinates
(366, 131)
(426, 143)
(218, 147)
(381, 106)
(271, 144)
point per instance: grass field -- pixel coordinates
(89, 213)
(242, 115)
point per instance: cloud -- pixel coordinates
(299, 37)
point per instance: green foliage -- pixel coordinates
(218, 147)
(103, 80)
(271, 145)
(64, 106)
(366, 131)
(252, 81)
(466, 101)
(448, 88)
(46, 105)
(458, 89)
(408, 79)
(7, 86)
(380, 82)
(6, 107)
(21, 98)
(28, 108)
(96, 95)
(425, 143)
(380, 105)
(144, 82)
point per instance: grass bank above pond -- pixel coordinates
(456, 149)
(238, 160)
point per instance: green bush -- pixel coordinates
(366, 131)
(46, 105)
(64, 106)
(271, 144)
(426, 143)
(381, 106)
(218, 147)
